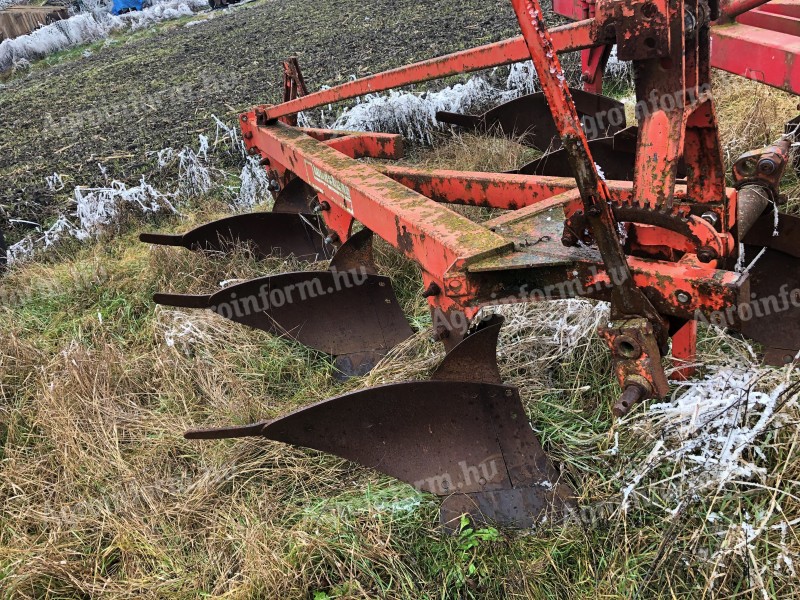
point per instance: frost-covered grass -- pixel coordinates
(413, 114)
(89, 26)
(102, 211)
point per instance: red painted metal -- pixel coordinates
(593, 62)
(771, 21)
(756, 39)
(684, 352)
(729, 9)
(567, 38)
(672, 263)
(768, 57)
(490, 190)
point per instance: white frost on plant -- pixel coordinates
(54, 182)
(254, 187)
(97, 208)
(194, 175)
(182, 332)
(616, 68)
(414, 114)
(28, 246)
(522, 78)
(228, 136)
(578, 320)
(87, 27)
(710, 430)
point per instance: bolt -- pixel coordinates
(432, 290)
(321, 207)
(711, 217)
(274, 185)
(248, 135)
(264, 162)
(683, 297)
(508, 393)
(633, 393)
(767, 166)
(252, 151)
(244, 118)
(569, 239)
(705, 254)
(594, 211)
(332, 238)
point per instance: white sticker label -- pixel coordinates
(332, 184)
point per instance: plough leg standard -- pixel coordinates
(660, 239)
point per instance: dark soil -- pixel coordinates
(159, 89)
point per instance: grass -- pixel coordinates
(102, 496)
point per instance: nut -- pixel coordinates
(767, 166)
(711, 217)
(705, 254)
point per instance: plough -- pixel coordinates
(642, 217)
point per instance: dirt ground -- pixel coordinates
(159, 88)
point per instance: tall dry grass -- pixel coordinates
(102, 497)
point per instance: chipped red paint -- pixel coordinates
(490, 190)
(382, 145)
(670, 262)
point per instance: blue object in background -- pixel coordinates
(122, 6)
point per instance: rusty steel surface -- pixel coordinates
(527, 119)
(353, 316)
(461, 439)
(267, 234)
(755, 39)
(475, 357)
(615, 162)
(508, 191)
(423, 230)
(356, 254)
(772, 318)
(627, 300)
(784, 237)
(296, 197)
